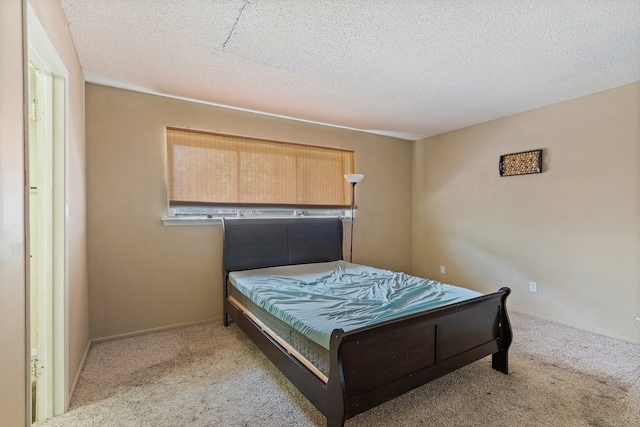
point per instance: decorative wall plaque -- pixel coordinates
(522, 163)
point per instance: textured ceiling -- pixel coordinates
(404, 68)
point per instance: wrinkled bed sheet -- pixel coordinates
(317, 298)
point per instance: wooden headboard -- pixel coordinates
(256, 243)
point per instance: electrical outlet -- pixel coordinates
(638, 321)
(533, 287)
(442, 269)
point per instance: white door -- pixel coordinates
(41, 240)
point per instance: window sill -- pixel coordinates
(171, 222)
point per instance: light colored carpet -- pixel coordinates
(209, 375)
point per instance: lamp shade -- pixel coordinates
(353, 178)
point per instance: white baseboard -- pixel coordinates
(153, 330)
(577, 326)
(77, 377)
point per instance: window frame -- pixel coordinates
(179, 212)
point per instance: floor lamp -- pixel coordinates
(353, 178)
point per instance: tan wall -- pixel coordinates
(145, 275)
(14, 389)
(13, 376)
(574, 229)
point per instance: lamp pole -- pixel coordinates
(353, 178)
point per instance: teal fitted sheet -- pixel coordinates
(315, 299)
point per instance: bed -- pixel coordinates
(354, 369)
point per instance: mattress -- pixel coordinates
(309, 353)
(305, 303)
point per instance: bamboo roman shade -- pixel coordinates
(224, 170)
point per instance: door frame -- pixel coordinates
(41, 51)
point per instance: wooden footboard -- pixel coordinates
(372, 365)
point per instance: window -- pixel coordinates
(213, 175)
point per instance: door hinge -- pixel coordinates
(35, 116)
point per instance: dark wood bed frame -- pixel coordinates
(374, 364)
